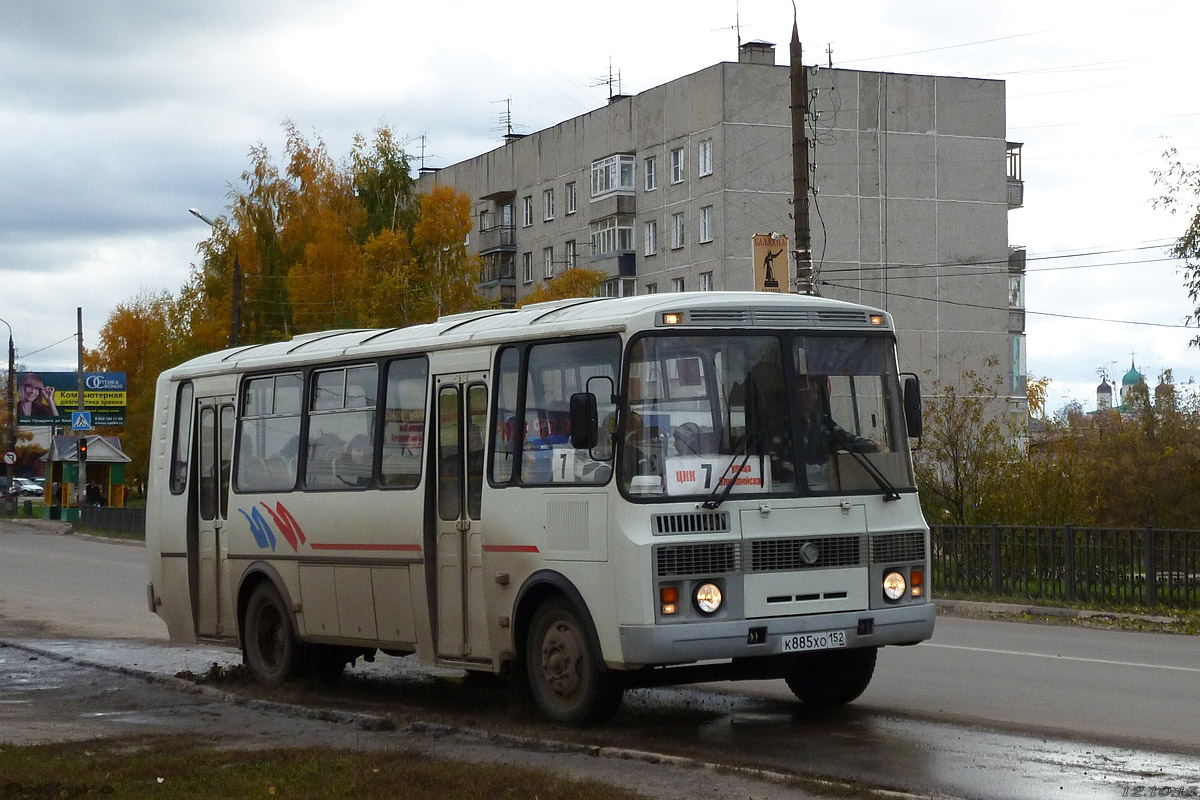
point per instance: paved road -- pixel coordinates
(985, 710)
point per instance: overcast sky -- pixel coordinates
(118, 116)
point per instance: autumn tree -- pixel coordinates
(439, 245)
(325, 275)
(574, 282)
(963, 451)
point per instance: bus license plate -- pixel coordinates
(825, 640)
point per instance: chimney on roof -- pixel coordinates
(757, 52)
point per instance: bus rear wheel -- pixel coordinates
(830, 678)
(271, 649)
(566, 678)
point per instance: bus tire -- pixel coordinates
(830, 678)
(568, 682)
(271, 649)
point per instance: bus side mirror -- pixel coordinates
(584, 421)
(912, 406)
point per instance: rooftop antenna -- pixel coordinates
(504, 118)
(610, 81)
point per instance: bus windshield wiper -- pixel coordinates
(743, 450)
(846, 440)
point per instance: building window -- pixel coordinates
(527, 267)
(706, 224)
(612, 174)
(548, 260)
(706, 281)
(677, 165)
(651, 174)
(651, 288)
(704, 158)
(547, 205)
(527, 210)
(571, 197)
(611, 235)
(485, 221)
(651, 237)
(677, 285)
(570, 254)
(677, 239)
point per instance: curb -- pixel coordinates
(985, 609)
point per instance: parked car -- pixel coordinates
(27, 486)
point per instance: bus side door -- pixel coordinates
(460, 411)
(214, 454)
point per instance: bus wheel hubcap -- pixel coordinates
(561, 654)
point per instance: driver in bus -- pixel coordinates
(820, 435)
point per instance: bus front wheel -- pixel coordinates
(567, 679)
(271, 648)
(829, 678)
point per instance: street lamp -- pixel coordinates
(235, 303)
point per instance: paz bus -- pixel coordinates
(590, 494)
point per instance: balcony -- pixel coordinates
(498, 267)
(498, 238)
(1016, 186)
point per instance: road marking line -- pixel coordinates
(1062, 658)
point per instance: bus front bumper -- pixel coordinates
(698, 641)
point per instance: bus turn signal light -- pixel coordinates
(668, 597)
(916, 580)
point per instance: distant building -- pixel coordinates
(664, 191)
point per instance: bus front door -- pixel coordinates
(214, 454)
(460, 409)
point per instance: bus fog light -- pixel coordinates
(893, 586)
(708, 598)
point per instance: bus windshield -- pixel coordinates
(732, 415)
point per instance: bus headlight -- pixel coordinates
(708, 598)
(893, 586)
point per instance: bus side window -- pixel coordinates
(183, 438)
(404, 423)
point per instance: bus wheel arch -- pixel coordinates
(559, 656)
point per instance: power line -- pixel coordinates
(1005, 308)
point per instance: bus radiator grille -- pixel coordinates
(709, 558)
(892, 548)
(780, 555)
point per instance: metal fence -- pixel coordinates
(129, 520)
(1117, 566)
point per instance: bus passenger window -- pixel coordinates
(404, 423)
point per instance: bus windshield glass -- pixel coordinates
(734, 415)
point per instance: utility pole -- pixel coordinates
(800, 167)
(81, 462)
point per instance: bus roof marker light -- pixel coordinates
(672, 318)
(877, 319)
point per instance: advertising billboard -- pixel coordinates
(48, 398)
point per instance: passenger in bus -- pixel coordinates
(353, 467)
(686, 439)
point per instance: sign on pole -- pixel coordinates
(10, 457)
(770, 262)
(81, 420)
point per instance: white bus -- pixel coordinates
(593, 493)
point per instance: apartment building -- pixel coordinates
(913, 178)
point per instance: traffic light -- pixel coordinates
(83, 448)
